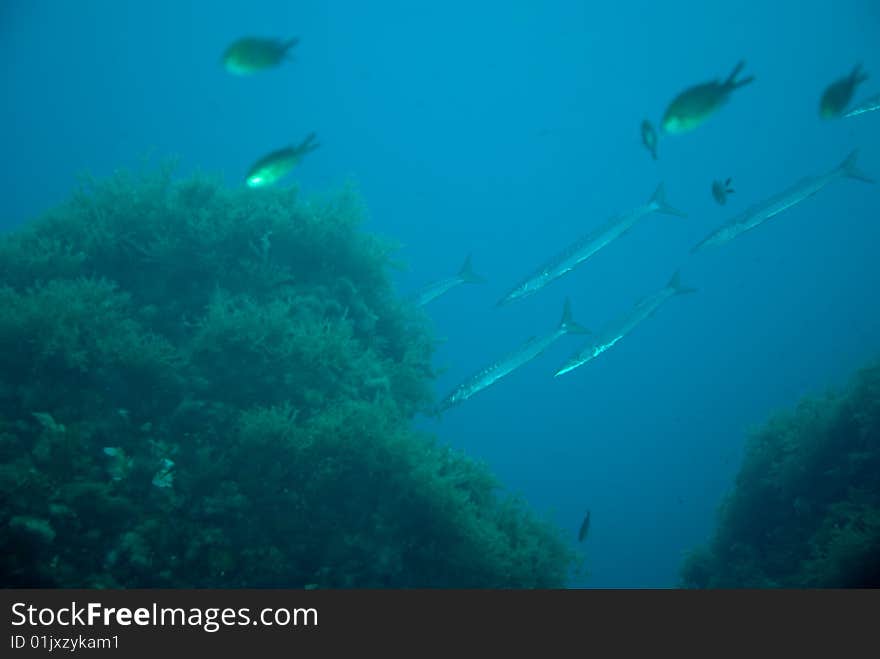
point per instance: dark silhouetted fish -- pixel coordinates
(721, 190)
(585, 528)
(649, 138)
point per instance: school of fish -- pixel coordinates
(687, 111)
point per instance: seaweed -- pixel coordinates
(205, 387)
(805, 509)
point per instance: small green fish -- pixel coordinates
(649, 138)
(252, 54)
(271, 168)
(696, 104)
(839, 93)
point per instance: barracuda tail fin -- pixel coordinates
(467, 274)
(568, 324)
(658, 201)
(675, 284)
(850, 169)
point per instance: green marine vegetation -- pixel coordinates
(805, 509)
(271, 168)
(203, 387)
(253, 54)
(696, 104)
(838, 94)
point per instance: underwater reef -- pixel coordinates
(204, 387)
(805, 509)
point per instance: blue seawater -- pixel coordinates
(506, 130)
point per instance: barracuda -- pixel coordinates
(763, 211)
(522, 355)
(432, 291)
(585, 247)
(871, 104)
(625, 324)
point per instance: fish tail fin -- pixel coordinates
(732, 83)
(850, 169)
(658, 201)
(675, 284)
(308, 144)
(290, 43)
(736, 71)
(467, 274)
(568, 324)
(858, 75)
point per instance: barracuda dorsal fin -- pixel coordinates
(659, 203)
(467, 274)
(568, 324)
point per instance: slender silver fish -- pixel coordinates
(432, 291)
(588, 245)
(522, 355)
(868, 105)
(763, 211)
(643, 309)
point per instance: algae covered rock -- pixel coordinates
(805, 510)
(211, 388)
